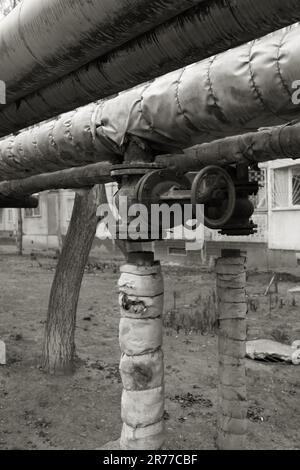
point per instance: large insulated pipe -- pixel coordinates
(269, 144)
(232, 93)
(43, 40)
(211, 27)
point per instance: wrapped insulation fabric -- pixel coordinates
(43, 40)
(200, 32)
(228, 94)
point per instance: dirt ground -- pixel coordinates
(83, 411)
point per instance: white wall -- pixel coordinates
(38, 225)
(8, 220)
(284, 230)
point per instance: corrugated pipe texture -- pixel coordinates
(196, 34)
(41, 41)
(231, 93)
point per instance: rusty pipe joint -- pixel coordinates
(128, 177)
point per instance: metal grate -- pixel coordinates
(296, 186)
(280, 189)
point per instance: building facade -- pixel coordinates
(43, 227)
(46, 226)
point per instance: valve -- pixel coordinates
(214, 188)
(224, 193)
(163, 186)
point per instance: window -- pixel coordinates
(36, 212)
(286, 188)
(10, 215)
(296, 186)
(280, 196)
(260, 199)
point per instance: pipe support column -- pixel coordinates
(142, 369)
(232, 309)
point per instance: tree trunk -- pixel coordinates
(59, 339)
(20, 233)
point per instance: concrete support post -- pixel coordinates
(142, 369)
(232, 309)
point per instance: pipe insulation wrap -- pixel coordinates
(152, 437)
(143, 407)
(231, 93)
(74, 178)
(141, 366)
(43, 40)
(209, 28)
(231, 292)
(142, 372)
(132, 306)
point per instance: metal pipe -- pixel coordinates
(41, 41)
(23, 202)
(73, 178)
(267, 144)
(196, 34)
(208, 100)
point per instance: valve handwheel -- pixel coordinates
(214, 188)
(158, 183)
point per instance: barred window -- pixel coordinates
(286, 188)
(296, 186)
(260, 200)
(280, 192)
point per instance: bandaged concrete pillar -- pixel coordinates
(142, 368)
(232, 310)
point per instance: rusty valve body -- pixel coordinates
(224, 193)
